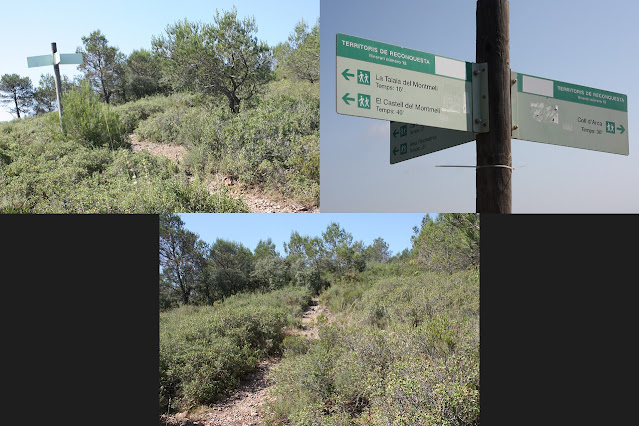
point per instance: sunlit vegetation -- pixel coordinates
(256, 123)
(402, 346)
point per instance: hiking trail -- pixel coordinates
(246, 405)
(254, 199)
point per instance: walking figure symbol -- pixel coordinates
(363, 101)
(363, 77)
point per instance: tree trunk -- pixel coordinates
(234, 102)
(15, 99)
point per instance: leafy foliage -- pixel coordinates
(449, 243)
(102, 64)
(220, 58)
(378, 251)
(403, 347)
(144, 74)
(404, 350)
(299, 57)
(271, 143)
(17, 92)
(182, 256)
(41, 171)
(44, 96)
(205, 351)
(275, 144)
(91, 122)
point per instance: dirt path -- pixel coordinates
(174, 153)
(311, 319)
(256, 201)
(245, 407)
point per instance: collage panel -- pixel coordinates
(188, 106)
(319, 319)
(131, 138)
(406, 114)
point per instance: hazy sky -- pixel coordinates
(249, 229)
(28, 29)
(589, 43)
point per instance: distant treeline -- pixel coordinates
(194, 272)
(223, 58)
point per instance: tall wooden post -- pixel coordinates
(58, 85)
(494, 159)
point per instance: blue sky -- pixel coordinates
(590, 43)
(248, 229)
(28, 29)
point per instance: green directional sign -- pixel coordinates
(388, 82)
(567, 114)
(71, 58)
(54, 59)
(39, 61)
(411, 140)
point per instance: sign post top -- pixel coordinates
(54, 59)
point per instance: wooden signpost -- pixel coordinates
(55, 59)
(434, 103)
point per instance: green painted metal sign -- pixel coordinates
(71, 58)
(39, 61)
(567, 114)
(54, 59)
(411, 140)
(388, 82)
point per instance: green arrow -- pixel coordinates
(621, 128)
(395, 133)
(346, 74)
(346, 99)
(395, 151)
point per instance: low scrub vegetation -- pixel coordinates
(274, 144)
(42, 171)
(401, 346)
(206, 350)
(244, 111)
(404, 350)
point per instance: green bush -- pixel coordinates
(205, 351)
(91, 122)
(295, 345)
(274, 144)
(51, 175)
(403, 350)
(133, 113)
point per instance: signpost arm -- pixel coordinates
(58, 85)
(494, 184)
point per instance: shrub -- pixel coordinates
(45, 175)
(91, 122)
(405, 351)
(133, 113)
(205, 351)
(274, 144)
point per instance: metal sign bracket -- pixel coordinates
(481, 122)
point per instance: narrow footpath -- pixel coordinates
(254, 199)
(245, 407)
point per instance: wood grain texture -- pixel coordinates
(494, 184)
